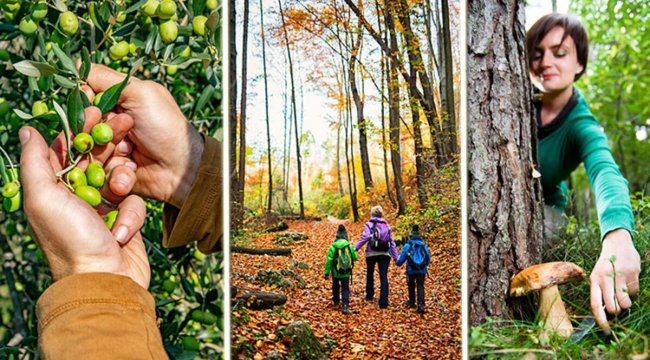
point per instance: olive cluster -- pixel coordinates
(86, 184)
(11, 193)
(68, 22)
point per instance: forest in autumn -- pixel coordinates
(336, 107)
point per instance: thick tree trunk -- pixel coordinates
(393, 116)
(358, 102)
(417, 142)
(266, 107)
(295, 113)
(505, 214)
(259, 300)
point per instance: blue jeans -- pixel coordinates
(382, 262)
(344, 285)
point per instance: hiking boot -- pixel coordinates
(346, 309)
(410, 306)
(421, 309)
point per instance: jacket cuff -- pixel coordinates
(75, 291)
(200, 218)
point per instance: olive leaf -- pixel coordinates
(34, 68)
(66, 128)
(64, 81)
(67, 63)
(125, 29)
(84, 70)
(112, 95)
(23, 115)
(207, 93)
(3, 169)
(92, 11)
(135, 7)
(76, 111)
(151, 39)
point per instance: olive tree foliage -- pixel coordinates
(616, 86)
(176, 43)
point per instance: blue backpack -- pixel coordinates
(417, 256)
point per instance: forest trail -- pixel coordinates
(367, 332)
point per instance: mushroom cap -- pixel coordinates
(541, 276)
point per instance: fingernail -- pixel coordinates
(120, 234)
(24, 135)
(123, 148)
(122, 179)
(131, 165)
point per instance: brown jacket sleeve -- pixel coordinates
(98, 316)
(200, 218)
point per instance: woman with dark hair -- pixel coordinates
(569, 135)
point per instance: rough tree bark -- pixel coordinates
(235, 209)
(266, 107)
(505, 214)
(241, 173)
(449, 106)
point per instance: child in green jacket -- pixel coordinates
(340, 261)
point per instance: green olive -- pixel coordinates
(120, 17)
(68, 22)
(39, 11)
(4, 106)
(109, 219)
(95, 175)
(168, 31)
(13, 7)
(167, 9)
(190, 344)
(209, 319)
(98, 98)
(10, 189)
(27, 25)
(187, 52)
(76, 178)
(102, 134)
(169, 286)
(150, 8)
(198, 24)
(39, 108)
(132, 48)
(172, 69)
(89, 194)
(198, 316)
(12, 204)
(83, 142)
(4, 55)
(119, 50)
(211, 4)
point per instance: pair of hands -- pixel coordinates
(610, 293)
(165, 153)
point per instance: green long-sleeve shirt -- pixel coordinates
(574, 139)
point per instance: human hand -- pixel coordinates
(163, 144)
(71, 234)
(618, 253)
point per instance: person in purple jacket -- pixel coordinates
(381, 247)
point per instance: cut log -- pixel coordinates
(272, 252)
(259, 300)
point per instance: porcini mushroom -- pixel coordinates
(546, 277)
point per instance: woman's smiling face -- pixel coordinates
(555, 62)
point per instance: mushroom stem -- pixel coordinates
(553, 312)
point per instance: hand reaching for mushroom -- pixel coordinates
(617, 255)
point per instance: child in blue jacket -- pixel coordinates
(418, 256)
(340, 260)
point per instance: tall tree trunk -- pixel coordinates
(393, 114)
(235, 209)
(242, 114)
(417, 140)
(352, 187)
(449, 121)
(286, 160)
(266, 106)
(505, 213)
(358, 102)
(295, 113)
(384, 76)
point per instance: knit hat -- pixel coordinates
(415, 230)
(342, 232)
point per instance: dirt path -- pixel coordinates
(368, 332)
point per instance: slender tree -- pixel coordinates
(242, 115)
(449, 122)
(235, 209)
(295, 113)
(266, 107)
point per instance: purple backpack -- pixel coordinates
(379, 239)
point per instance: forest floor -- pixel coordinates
(368, 332)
